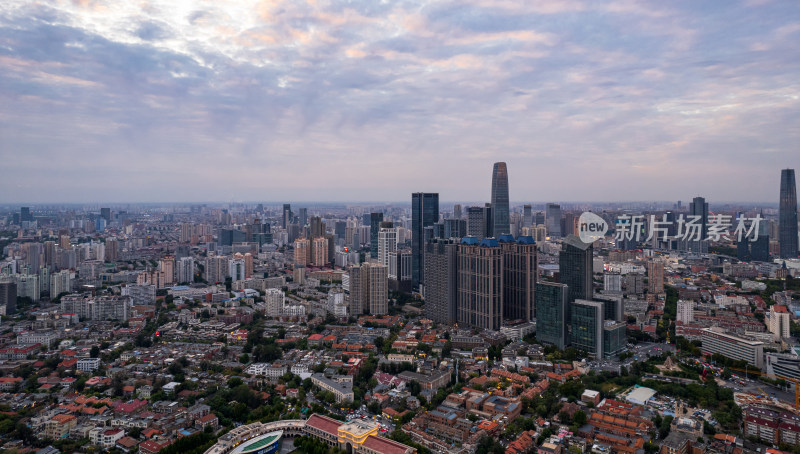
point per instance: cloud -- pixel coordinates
(272, 100)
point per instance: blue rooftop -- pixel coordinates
(490, 242)
(506, 238)
(180, 287)
(470, 240)
(527, 239)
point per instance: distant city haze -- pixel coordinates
(372, 101)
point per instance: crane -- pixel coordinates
(773, 376)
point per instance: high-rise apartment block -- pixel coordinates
(685, 312)
(368, 289)
(98, 308)
(480, 283)
(301, 251)
(319, 247)
(779, 322)
(387, 242)
(441, 288)
(655, 277)
(167, 267)
(476, 222)
(519, 277)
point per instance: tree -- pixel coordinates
(94, 352)
(489, 445)
(579, 418)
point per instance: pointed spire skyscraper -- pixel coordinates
(501, 223)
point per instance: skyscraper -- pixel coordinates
(316, 227)
(457, 211)
(500, 217)
(25, 214)
(586, 321)
(575, 267)
(105, 213)
(527, 218)
(480, 283)
(551, 313)
(287, 215)
(8, 296)
(655, 277)
(699, 207)
(519, 277)
(787, 217)
(455, 228)
(424, 213)
(476, 225)
(368, 289)
(441, 281)
(387, 242)
(185, 270)
(303, 215)
(167, 266)
(375, 220)
(553, 220)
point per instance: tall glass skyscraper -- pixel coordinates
(552, 313)
(787, 215)
(586, 333)
(553, 219)
(424, 213)
(575, 267)
(501, 224)
(699, 207)
(375, 220)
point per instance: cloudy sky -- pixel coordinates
(369, 100)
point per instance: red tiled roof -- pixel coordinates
(61, 419)
(324, 424)
(385, 445)
(208, 417)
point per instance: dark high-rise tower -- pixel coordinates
(500, 220)
(699, 207)
(424, 213)
(519, 277)
(553, 219)
(787, 217)
(476, 224)
(441, 281)
(552, 314)
(575, 267)
(25, 214)
(287, 215)
(375, 220)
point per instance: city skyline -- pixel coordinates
(276, 100)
